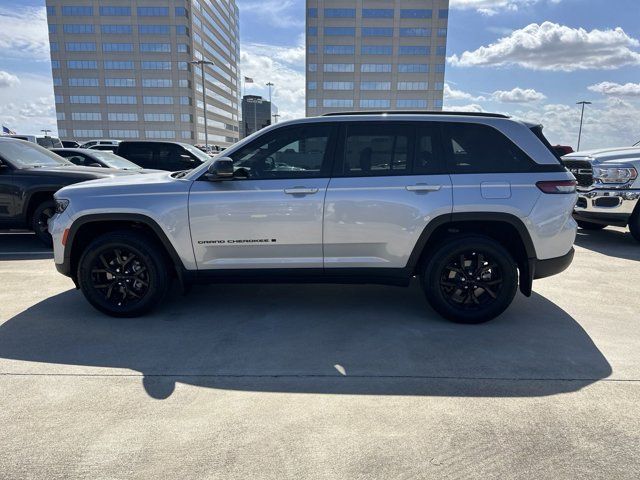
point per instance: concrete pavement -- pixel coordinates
(312, 381)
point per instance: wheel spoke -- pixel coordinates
(120, 276)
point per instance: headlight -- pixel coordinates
(61, 205)
(614, 174)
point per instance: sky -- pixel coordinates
(531, 59)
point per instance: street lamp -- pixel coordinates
(583, 103)
(201, 64)
(276, 116)
(269, 84)
(46, 132)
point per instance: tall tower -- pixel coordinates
(375, 55)
(121, 69)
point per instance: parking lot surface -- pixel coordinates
(323, 382)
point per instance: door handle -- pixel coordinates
(422, 187)
(300, 191)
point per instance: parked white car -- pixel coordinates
(42, 140)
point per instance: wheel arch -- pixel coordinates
(35, 198)
(508, 230)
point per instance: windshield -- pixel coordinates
(196, 152)
(114, 161)
(23, 154)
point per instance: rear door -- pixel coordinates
(140, 153)
(173, 158)
(389, 182)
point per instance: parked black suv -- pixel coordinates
(171, 156)
(29, 176)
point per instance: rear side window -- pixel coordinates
(376, 150)
(428, 149)
(474, 148)
(138, 153)
(172, 157)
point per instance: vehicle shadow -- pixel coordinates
(314, 339)
(613, 243)
(22, 246)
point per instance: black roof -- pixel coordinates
(417, 112)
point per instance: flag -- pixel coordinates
(7, 131)
(248, 80)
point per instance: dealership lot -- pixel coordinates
(293, 381)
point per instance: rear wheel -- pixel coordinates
(123, 274)
(40, 221)
(590, 226)
(471, 279)
(634, 224)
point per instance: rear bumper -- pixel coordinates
(607, 207)
(552, 266)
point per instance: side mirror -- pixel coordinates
(221, 169)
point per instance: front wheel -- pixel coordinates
(590, 226)
(471, 279)
(40, 221)
(634, 224)
(123, 274)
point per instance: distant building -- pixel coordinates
(257, 113)
(121, 69)
(375, 55)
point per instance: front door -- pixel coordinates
(270, 214)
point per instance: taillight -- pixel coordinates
(557, 186)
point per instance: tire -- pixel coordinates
(590, 226)
(123, 274)
(634, 225)
(41, 215)
(452, 297)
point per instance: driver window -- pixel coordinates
(298, 152)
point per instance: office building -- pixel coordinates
(375, 55)
(121, 69)
(257, 113)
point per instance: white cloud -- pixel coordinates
(493, 7)
(472, 107)
(616, 89)
(23, 33)
(8, 79)
(453, 94)
(277, 13)
(518, 95)
(551, 46)
(28, 106)
(282, 66)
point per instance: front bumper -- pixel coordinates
(607, 207)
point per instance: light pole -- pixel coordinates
(583, 103)
(269, 84)
(46, 132)
(275, 116)
(201, 64)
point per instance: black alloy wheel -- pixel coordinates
(40, 221)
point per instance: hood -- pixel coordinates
(611, 155)
(80, 172)
(136, 183)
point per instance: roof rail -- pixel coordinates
(416, 112)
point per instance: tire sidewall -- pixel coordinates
(440, 258)
(149, 254)
(43, 237)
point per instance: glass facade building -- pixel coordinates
(121, 68)
(375, 54)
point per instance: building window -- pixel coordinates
(442, 32)
(376, 50)
(413, 85)
(88, 133)
(83, 82)
(159, 117)
(340, 12)
(53, 46)
(164, 134)
(155, 47)
(120, 82)
(183, 48)
(186, 118)
(410, 103)
(55, 64)
(312, 13)
(156, 65)
(59, 99)
(117, 47)
(156, 100)
(375, 68)
(377, 32)
(157, 82)
(312, 31)
(121, 100)
(337, 102)
(442, 14)
(182, 30)
(153, 11)
(186, 134)
(184, 83)
(78, 28)
(339, 31)
(115, 11)
(82, 64)
(123, 117)
(186, 101)
(377, 13)
(116, 65)
(413, 50)
(375, 85)
(115, 29)
(84, 99)
(86, 116)
(60, 116)
(124, 133)
(312, 86)
(371, 103)
(57, 81)
(439, 86)
(181, 12)
(183, 66)
(413, 68)
(438, 103)
(312, 103)
(339, 49)
(337, 85)
(339, 67)
(313, 67)
(52, 28)
(415, 32)
(416, 13)
(440, 68)
(51, 11)
(73, 11)
(313, 49)
(154, 29)
(80, 47)
(441, 51)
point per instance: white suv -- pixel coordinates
(471, 204)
